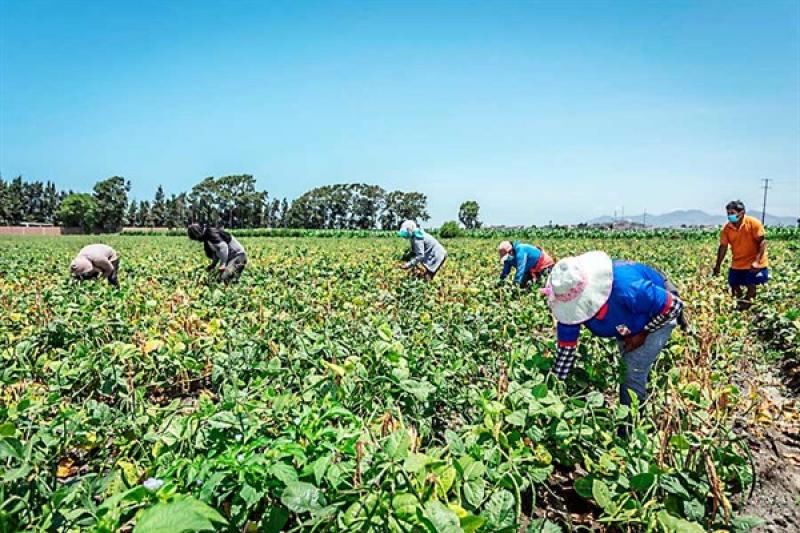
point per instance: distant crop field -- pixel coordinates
(328, 390)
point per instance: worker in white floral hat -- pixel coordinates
(628, 301)
(425, 249)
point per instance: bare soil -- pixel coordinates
(774, 440)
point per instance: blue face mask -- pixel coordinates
(733, 218)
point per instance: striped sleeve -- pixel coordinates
(671, 310)
(567, 335)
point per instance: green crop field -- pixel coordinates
(329, 391)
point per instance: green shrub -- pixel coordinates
(449, 230)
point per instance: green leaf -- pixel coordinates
(595, 399)
(320, 466)
(673, 524)
(583, 486)
(397, 444)
(642, 482)
(442, 518)
(250, 495)
(601, 493)
(7, 430)
(302, 497)
(474, 491)
(286, 473)
(454, 442)
(550, 527)
(471, 523)
(673, 486)
(499, 510)
(694, 510)
(405, 505)
(420, 389)
(275, 520)
(416, 462)
(540, 475)
(517, 418)
(745, 523)
(184, 513)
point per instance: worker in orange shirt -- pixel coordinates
(745, 235)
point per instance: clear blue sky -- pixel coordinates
(538, 110)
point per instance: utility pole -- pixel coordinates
(644, 218)
(764, 208)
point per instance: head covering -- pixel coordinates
(579, 286)
(408, 228)
(504, 248)
(80, 265)
(195, 232)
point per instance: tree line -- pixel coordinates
(227, 201)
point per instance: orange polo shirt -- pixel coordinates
(744, 242)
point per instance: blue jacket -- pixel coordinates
(523, 258)
(638, 294)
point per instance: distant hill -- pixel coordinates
(692, 217)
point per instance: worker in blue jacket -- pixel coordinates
(627, 301)
(530, 262)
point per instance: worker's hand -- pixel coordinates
(404, 266)
(632, 342)
(715, 272)
(755, 267)
(221, 268)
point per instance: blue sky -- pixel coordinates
(539, 110)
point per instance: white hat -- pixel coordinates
(579, 286)
(409, 226)
(504, 248)
(407, 229)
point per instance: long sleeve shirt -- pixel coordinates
(99, 256)
(222, 251)
(525, 258)
(427, 251)
(639, 301)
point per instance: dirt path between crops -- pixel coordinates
(773, 435)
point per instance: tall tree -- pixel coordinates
(274, 218)
(468, 214)
(177, 211)
(366, 206)
(131, 215)
(111, 197)
(144, 217)
(203, 202)
(400, 206)
(77, 210)
(283, 223)
(159, 209)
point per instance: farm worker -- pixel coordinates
(94, 260)
(631, 302)
(222, 248)
(531, 262)
(745, 235)
(425, 249)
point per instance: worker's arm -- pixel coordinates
(762, 249)
(721, 251)
(567, 335)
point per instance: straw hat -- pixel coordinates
(579, 286)
(504, 248)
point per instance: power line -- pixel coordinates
(764, 208)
